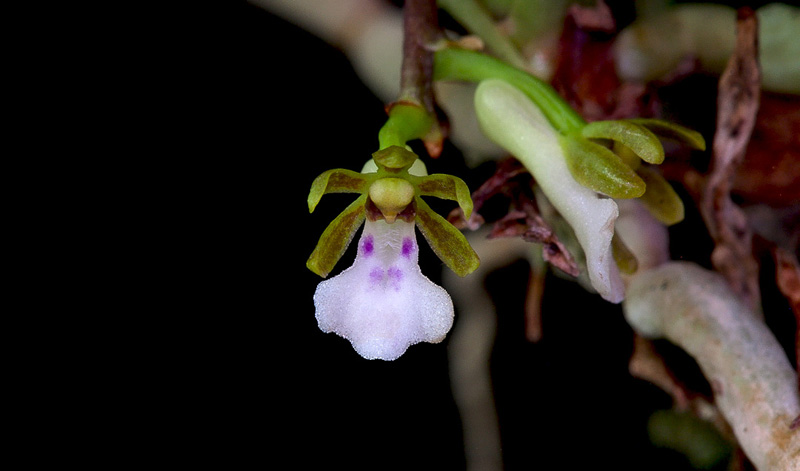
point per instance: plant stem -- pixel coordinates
(754, 384)
(420, 31)
(407, 121)
(413, 114)
(471, 66)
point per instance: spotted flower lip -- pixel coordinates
(383, 303)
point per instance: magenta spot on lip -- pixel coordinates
(408, 246)
(368, 245)
(388, 278)
(375, 276)
(395, 276)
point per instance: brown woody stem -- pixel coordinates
(421, 31)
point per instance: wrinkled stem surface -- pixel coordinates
(754, 384)
(420, 31)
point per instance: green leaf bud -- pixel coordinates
(599, 169)
(637, 138)
(676, 132)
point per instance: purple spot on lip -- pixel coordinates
(375, 276)
(368, 245)
(408, 246)
(395, 276)
(384, 279)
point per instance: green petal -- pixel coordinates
(639, 139)
(447, 242)
(447, 187)
(337, 180)
(660, 198)
(337, 236)
(673, 131)
(599, 169)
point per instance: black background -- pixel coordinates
(243, 376)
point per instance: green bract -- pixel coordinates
(605, 156)
(389, 193)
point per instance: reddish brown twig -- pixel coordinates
(737, 105)
(420, 33)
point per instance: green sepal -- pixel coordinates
(336, 237)
(599, 169)
(447, 242)
(446, 187)
(337, 180)
(673, 131)
(660, 198)
(394, 158)
(643, 142)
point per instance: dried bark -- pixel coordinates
(737, 106)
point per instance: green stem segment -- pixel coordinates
(406, 122)
(413, 115)
(471, 66)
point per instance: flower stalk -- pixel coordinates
(413, 114)
(604, 156)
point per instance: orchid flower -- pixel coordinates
(383, 303)
(517, 124)
(581, 167)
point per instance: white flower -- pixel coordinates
(513, 121)
(383, 303)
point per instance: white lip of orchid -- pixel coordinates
(515, 123)
(383, 303)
